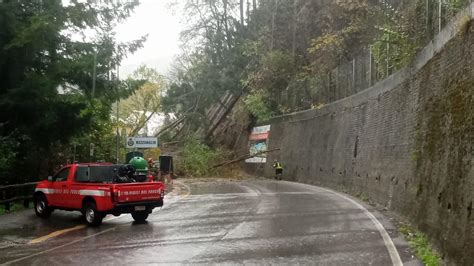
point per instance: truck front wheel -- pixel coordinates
(42, 208)
(140, 216)
(93, 217)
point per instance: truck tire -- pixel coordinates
(140, 216)
(92, 215)
(42, 208)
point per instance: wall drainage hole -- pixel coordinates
(469, 210)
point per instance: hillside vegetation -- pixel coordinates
(276, 57)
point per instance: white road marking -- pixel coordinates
(392, 250)
(394, 256)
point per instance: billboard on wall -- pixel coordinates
(258, 142)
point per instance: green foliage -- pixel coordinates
(285, 56)
(100, 132)
(46, 95)
(397, 43)
(143, 103)
(337, 46)
(364, 197)
(8, 152)
(419, 242)
(13, 208)
(269, 85)
(415, 156)
(256, 103)
(198, 158)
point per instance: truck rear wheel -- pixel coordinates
(93, 217)
(42, 208)
(140, 216)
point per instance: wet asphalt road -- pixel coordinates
(245, 222)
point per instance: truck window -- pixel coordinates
(82, 174)
(62, 175)
(102, 174)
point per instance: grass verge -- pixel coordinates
(13, 208)
(419, 242)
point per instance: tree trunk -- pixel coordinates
(172, 125)
(243, 157)
(242, 12)
(227, 111)
(226, 26)
(141, 124)
(274, 14)
(248, 11)
(295, 18)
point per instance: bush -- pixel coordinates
(419, 242)
(8, 151)
(198, 158)
(257, 106)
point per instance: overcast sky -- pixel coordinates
(162, 24)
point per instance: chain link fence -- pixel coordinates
(381, 59)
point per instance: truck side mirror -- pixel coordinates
(50, 178)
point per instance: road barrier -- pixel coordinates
(17, 192)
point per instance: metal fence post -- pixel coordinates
(26, 202)
(353, 87)
(370, 65)
(7, 204)
(440, 11)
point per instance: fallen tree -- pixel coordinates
(243, 157)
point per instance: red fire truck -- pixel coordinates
(98, 189)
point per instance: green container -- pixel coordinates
(139, 163)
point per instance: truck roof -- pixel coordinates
(93, 164)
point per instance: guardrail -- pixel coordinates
(17, 192)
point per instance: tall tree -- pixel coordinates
(241, 5)
(144, 103)
(46, 68)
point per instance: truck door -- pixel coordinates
(60, 188)
(81, 179)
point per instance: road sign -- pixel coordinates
(142, 142)
(91, 149)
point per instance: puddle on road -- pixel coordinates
(216, 188)
(275, 186)
(226, 187)
(21, 228)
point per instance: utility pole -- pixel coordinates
(94, 70)
(74, 157)
(118, 136)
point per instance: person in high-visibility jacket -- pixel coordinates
(278, 169)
